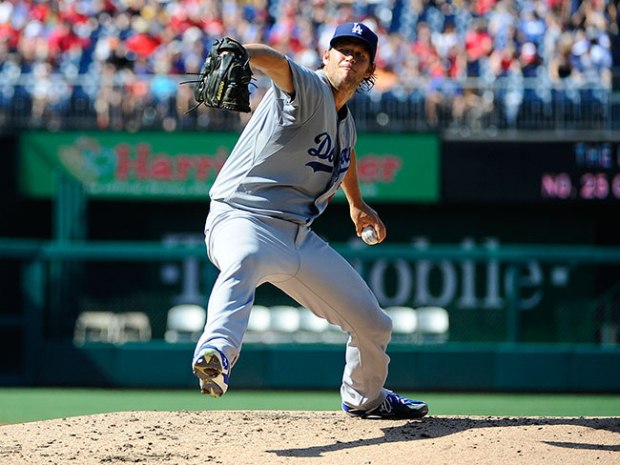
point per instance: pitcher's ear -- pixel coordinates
(326, 56)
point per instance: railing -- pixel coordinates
(162, 103)
(43, 259)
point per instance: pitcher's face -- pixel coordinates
(347, 64)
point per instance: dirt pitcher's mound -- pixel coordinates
(269, 437)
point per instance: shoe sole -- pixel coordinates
(208, 368)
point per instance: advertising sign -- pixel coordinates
(183, 166)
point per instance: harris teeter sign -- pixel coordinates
(183, 166)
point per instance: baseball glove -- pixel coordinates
(225, 77)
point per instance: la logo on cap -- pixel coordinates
(357, 29)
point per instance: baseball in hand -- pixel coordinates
(369, 235)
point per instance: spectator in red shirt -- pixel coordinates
(423, 49)
(478, 46)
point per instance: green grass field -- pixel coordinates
(19, 405)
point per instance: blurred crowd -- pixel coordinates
(124, 59)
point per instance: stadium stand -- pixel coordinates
(442, 64)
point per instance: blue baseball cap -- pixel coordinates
(360, 32)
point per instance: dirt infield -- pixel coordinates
(272, 437)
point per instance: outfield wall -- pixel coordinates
(449, 367)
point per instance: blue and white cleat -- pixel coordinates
(394, 407)
(212, 369)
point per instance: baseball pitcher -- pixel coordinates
(296, 151)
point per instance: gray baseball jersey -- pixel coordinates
(277, 170)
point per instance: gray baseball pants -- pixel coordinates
(251, 249)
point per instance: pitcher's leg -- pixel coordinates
(228, 312)
(248, 252)
(330, 287)
(230, 302)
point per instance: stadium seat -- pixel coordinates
(95, 326)
(404, 321)
(284, 321)
(133, 326)
(284, 318)
(260, 319)
(258, 324)
(185, 323)
(433, 325)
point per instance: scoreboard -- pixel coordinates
(525, 171)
